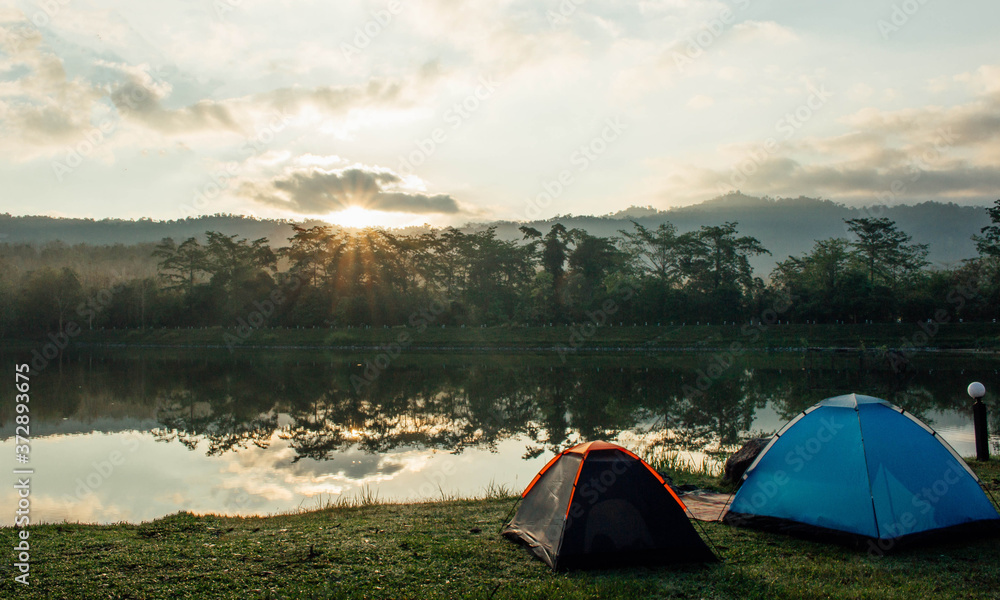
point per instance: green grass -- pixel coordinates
(704, 472)
(364, 549)
(988, 472)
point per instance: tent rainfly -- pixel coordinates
(857, 469)
(599, 505)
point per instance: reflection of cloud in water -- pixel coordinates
(257, 478)
(158, 478)
(352, 464)
(91, 508)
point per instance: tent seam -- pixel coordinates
(569, 506)
(868, 475)
(774, 439)
(542, 472)
(946, 445)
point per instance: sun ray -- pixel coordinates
(355, 216)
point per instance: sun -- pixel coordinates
(355, 216)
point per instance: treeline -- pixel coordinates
(330, 277)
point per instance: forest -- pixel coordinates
(325, 276)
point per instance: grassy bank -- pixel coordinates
(665, 337)
(452, 550)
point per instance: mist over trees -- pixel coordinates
(324, 276)
(787, 226)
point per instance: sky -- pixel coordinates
(403, 112)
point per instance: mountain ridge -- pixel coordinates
(785, 226)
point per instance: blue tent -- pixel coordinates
(858, 466)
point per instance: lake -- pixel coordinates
(134, 435)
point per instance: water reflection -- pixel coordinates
(259, 433)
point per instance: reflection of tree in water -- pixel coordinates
(916, 391)
(993, 414)
(446, 409)
(451, 409)
(710, 417)
(187, 420)
(312, 404)
(229, 410)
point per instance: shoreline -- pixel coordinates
(560, 339)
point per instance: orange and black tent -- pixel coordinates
(597, 504)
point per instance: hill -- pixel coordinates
(790, 226)
(786, 226)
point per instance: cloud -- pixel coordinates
(764, 31)
(140, 99)
(42, 107)
(893, 178)
(700, 101)
(892, 156)
(985, 80)
(702, 48)
(414, 203)
(45, 112)
(333, 100)
(973, 123)
(317, 191)
(502, 37)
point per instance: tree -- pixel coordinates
(530, 233)
(714, 258)
(377, 276)
(8, 298)
(553, 256)
(443, 262)
(314, 253)
(885, 251)
(823, 269)
(655, 253)
(554, 247)
(180, 266)
(48, 295)
(592, 260)
(554, 251)
(988, 244)
(233, 261)
(592, 257)
(499, 273)
(984, 273)
(826, 282)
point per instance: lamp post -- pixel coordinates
(977, 391)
